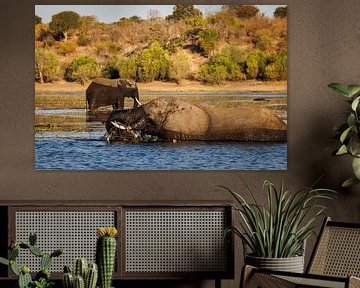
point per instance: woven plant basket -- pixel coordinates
(291, 264)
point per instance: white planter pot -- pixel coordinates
(291, 264)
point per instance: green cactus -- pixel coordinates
(79, 282)
(24, 280)
(87, 272)
(14, 268)
(80, 267)
(105, 258)
(68, 280)
(13, 253)
(4, 261)
(32, 239)
(45, 261)
(36, 251)
(57, 252)
(91, 276)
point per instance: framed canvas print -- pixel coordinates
(160, 87)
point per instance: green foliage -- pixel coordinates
(82, 69)
(64, 22)
(153, 63)
(279, 229)
(277, 67)
(255, 65)
(183, 11)
(122, 68)
(179, 67)
(234, 53)
(280, 12)
(349, 132)
(84, 40)
(47, 65)
(38, 20)
(263, 39)
(197, 21)
(208, 39)
(220, 68)
(42, 278)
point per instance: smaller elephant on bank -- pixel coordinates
(104, 92)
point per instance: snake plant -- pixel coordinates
(279, 228)
(349, 131)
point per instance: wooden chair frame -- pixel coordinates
(313, 277)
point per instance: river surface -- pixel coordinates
(88, 150)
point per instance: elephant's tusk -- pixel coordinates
(137, 101)
(117, 125)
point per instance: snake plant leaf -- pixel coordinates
(349, 182)
(356, 167)
(341, 89)
(355, 103)
(342, 150)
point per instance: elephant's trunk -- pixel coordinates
(126, 116)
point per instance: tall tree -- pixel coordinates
(242, 11)
(64, 22)
(183, 12)
(280, 12)
(38, 20)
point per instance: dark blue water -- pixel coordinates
(89, 151)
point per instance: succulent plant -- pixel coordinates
(85, 275)
(106, 254)
(42, 278)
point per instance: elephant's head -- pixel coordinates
(130, 90)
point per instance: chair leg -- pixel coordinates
(354, 282)
(246, 273)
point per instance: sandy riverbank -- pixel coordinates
(156, 86)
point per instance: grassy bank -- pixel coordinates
(157, 86)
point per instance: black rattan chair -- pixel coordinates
(335, 262)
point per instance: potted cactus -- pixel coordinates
(84, 275)
(106, 254)
(42, 278)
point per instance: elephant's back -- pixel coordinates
(245, 123)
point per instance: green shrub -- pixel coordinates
(277, 67)
(220, 68)
(212, 74)
(234, 53)
(121, 67)
(196, 21)
(83, 40)
(255, 65)
(47, 65)
(179, 66)
(208, 39)
(82, 69)
(153, 63)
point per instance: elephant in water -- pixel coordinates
(171, 118)
(104, 92)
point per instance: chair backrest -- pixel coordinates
(337, 251)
